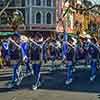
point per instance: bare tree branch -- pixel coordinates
(81, 9)
(85, 9)
(1, 12)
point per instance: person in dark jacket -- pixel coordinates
(24, 44)
(15, 58)
(69, 61)
(36, 61)
(93, 52)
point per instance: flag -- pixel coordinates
(65, 46)
(17, 34)
(65, 36)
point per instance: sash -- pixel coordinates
(6, 45)
(24, 50)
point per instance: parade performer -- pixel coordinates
(52, 53)
(15, 58)
(80, 53)
(68, 60)
(85, 47)
(1, 60)
(93, 52)
(64, 45)
(45, 53)
(24, 44)
(58, 49)
(36, 57)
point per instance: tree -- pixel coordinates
(15, 19)
(6, 6)
(86, 7)
(87, 3)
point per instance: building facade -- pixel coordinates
(39, 15)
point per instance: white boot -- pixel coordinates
(92, 78)
(69, 81)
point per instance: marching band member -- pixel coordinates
(45, 47)
(36, 61)
(80, 53)
(1, 60)
(15, 58)
(64, 45)
(36, 57)
(24, 44)
(85, 47)
(93, 52)
(69, 61)
(52, 53)
(58, 49)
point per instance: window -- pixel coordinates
(23, 2)
(38, 18)
(1, 3)
(32, 2)
(12, 3)
(48, 18)
(38, 2)
(27, 19)
(19, 3)
(3, 20)
(48, 2)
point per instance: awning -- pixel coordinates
(6, 33)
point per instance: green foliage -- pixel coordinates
(16, 20)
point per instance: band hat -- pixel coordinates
(41, 40)
(23, 38)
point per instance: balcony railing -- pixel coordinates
(33, 27)
(42, 27)
(8, 28)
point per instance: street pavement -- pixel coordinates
(53, 86)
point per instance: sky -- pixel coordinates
(95, 1)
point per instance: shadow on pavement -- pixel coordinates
(5, 78)
(56, 81)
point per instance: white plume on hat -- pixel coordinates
(24, 38)
(41, 39)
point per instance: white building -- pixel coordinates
(39, 15)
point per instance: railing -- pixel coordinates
(33, 27)
(43, 27)
(8, 28)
